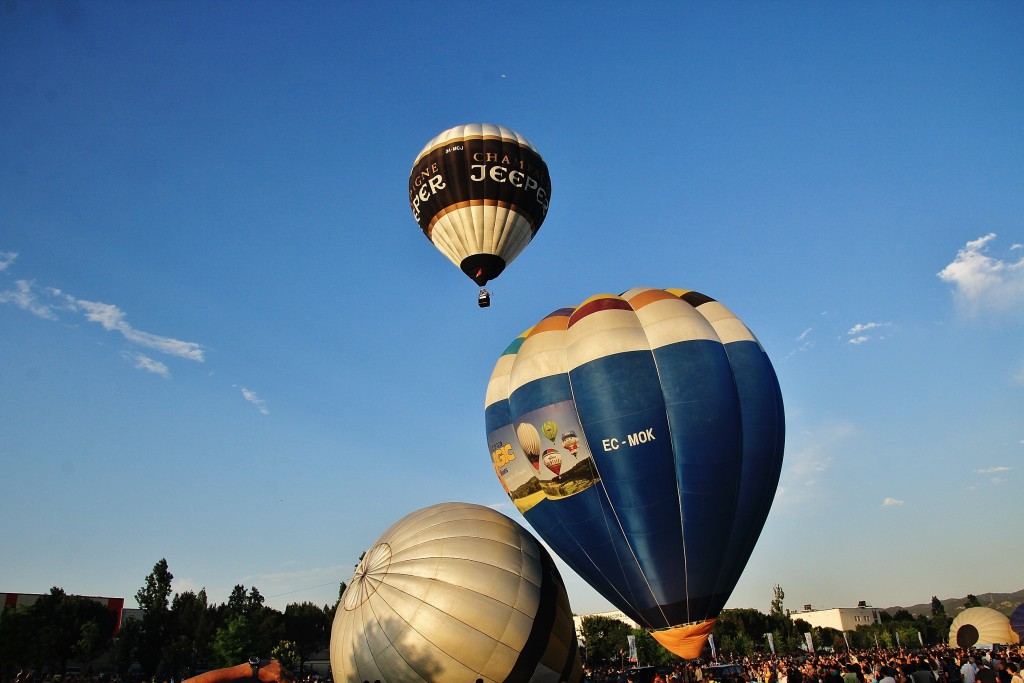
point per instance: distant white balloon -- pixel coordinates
(981, 626)
(453, 593)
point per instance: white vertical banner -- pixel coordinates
(771, 641)
(899, 645)
(711, 642)
(631, 639)
(920, 639)
(847, 641)
(809, 641)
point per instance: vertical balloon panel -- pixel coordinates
(661, 393)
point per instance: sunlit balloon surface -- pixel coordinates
(452, 593)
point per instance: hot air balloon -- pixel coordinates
(553, 460)
(981, 625)
(480, 193)
(679, 430)
(529, 443)
(452, 593)
(550, 430)
(1017, 621)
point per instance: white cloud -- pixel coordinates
(6, 259)
(993, 470)
(982, 283)
(24, 297)
(805, 342)
(144, 362)
(252, 398)
(112, 318)
(892, 502)
(805, 470)
(997, 480)
(185, 585)
(860, 328)
(46, 302)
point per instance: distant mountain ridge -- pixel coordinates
(1001, 602)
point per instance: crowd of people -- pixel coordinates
(926, 665)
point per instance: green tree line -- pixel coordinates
(178, 634)
(744, 632)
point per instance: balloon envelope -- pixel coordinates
(678, 432)
(981, 626)
(1017, 621)
(479, 193)
(452, 593)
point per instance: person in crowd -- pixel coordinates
(985, 674)
(968, 672)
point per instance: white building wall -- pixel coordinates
(618, 616)
(839, 618)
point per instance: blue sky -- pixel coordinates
(224, 340)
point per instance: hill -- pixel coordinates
(1001, 602)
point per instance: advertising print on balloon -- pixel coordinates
(672, 439)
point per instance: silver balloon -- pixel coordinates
(452, 593)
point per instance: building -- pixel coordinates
(839, 618)
(114, 605)
(577, 620)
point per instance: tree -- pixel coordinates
(742, 631)
(939, 623)
(330, 612)
(248, 625)
(232, 643)
(189, 632)
(56, 628)
(285, 653)
(237, 601)
(972, 601)
(126, 644)
(307, 627)
(154, 601)
(604, 639)
(650, 652)
(776, 609)
(17, 642)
